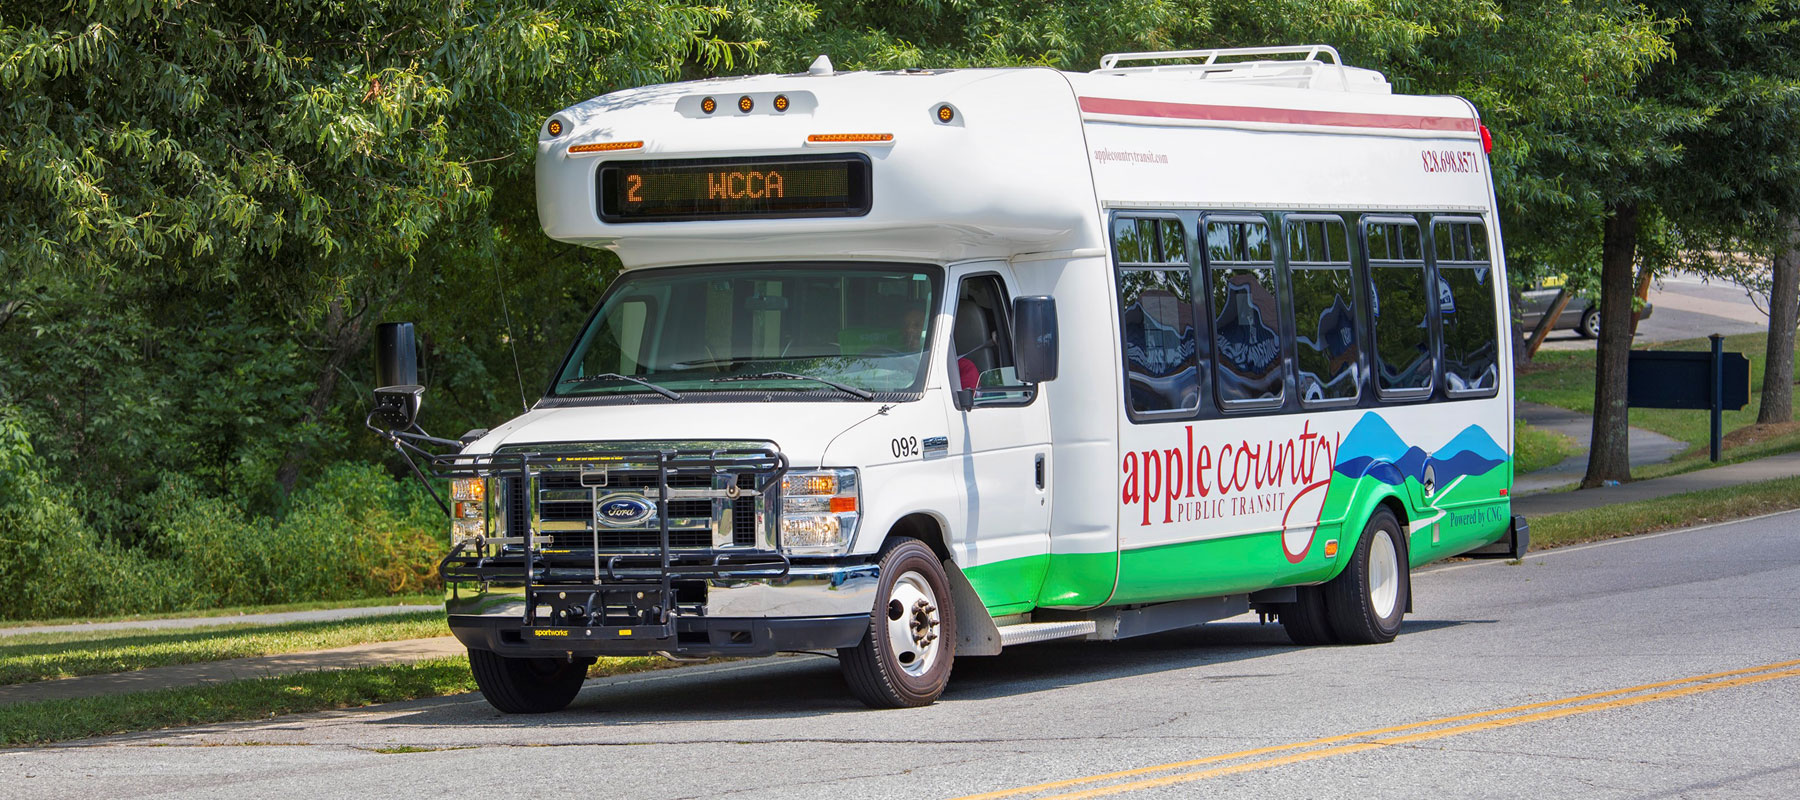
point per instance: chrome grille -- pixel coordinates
(564, 510)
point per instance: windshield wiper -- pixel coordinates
(614, 376)
(794, 376)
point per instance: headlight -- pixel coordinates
(468, 508)
(819, 511)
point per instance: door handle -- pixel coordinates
(1040, 471)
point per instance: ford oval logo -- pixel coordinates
(624, 511)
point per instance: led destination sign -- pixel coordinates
(737, 188)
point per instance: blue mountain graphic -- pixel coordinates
(1473, 440)
(1374, 450)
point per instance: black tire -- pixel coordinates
(1589, 327)
(913, 602)
(1367, 601)
(527, 685)
(1305, 620)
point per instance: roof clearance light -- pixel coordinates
(603, 147)
(745, 104)
(1487, 140)
(840, 138)
(709, 105)
(555, 127)
(781, 102)
(946, 113)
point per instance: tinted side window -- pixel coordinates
(1156, 310)
(1246, 329)
(1327, 349)
(1466, 300)
(981, 336)
(1399, 303)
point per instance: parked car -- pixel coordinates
(1581, 315)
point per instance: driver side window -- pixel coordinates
(981, 355)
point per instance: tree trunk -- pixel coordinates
(346, 334)
(1610, 456)
(1784, 303)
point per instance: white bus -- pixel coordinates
(920, 364)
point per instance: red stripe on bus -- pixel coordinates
(1285, 116)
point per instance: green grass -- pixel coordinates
(60, 720)
(51, 721)
(428, 598)
(1536, 448)
(1664, 513)
(1566, 379)
(41, 656)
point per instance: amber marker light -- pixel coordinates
(781, 102)
(709, 105)
(555, 127)
(603, 147)
(1331, 549)
(745, 104)
(850, 138)
(840, 505)
(946, 113)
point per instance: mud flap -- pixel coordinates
(1513, 545)
(976, 634)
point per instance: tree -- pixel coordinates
(1738, 186)
(205, 207)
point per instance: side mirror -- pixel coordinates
(1034, 339)
(397, 393)
(396, 355)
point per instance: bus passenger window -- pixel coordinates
(1399, 303)
(1246, 329)
(1156, 312)
(981, 342)
(1466, 299)
(1327, 349)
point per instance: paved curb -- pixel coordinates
(209, 672)
(277, 618)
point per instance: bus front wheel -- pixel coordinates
(904, 657)
(1367, 600)
(527, 685)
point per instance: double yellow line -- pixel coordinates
(1200, 769)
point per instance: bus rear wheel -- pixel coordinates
(527, 685)
(1366, 602)
(904, 657)
(1305, 619)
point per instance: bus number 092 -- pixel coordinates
(905, 446)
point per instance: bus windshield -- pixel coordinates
(834, 329)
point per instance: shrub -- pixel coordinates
(353, 532)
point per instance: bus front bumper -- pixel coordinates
(810, 608)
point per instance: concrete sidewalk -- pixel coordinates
(373, 654)
(278, 618)
(1785, 465)
(1647, 447)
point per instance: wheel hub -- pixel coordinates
(913, 624)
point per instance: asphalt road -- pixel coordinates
(1685, 308)
(1560, 633)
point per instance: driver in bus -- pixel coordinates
(912, 335)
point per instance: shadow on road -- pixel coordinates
(798, 687)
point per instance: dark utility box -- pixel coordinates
(1681, 379)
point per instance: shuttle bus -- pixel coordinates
(916, 365)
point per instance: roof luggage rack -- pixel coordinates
(1319, 67)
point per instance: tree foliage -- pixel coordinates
(205, 207)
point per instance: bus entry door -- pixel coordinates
(1000, 431)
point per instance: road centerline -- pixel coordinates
(1439, 728)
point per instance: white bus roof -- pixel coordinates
(1028, 159)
